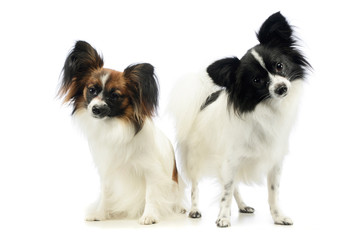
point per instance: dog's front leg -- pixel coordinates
(273, 191)
(194, 212)
(150, 215)
(225, 205)
(97, 211)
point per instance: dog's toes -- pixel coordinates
(92, 216)
(92, 219)
(182, 211)
(247, 210)
(194, 214)
(283, 221)
(223, 222)
(179, 209)
(148, 220)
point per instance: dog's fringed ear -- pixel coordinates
(276, 31)
(81, 61)
(144, 79)
(223, 72)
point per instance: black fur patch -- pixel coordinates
(223, 71)
(210, 99)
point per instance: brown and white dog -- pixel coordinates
(134, 159)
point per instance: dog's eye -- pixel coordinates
(260, 82)
(93, 91)
(257, 81)
(114, 96)
(279, 67)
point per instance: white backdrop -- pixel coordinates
(47, 177)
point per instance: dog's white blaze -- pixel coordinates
(99, 100)
(258, 58)
(104, 78)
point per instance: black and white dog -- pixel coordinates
(234, 120)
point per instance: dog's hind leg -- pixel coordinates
(243, 208)
(194, 211)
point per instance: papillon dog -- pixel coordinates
(133, 157)
(233, 121)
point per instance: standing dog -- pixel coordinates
(233, 121)
(134, 159)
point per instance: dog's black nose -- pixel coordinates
(281, 89)
(100, 111)
(96, 110)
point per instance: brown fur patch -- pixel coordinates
(129, 94)
(175, 174)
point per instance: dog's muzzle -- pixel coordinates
(281, 90)
(100, 111)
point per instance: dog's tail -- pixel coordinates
(185, 102)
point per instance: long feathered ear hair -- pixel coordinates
(81, 61)
(145, 90)
(276, 31)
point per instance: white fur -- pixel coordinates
(135, 170)
(104, 78)
(216, 142)
(258, 58)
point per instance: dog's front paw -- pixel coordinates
(179, 209)
(182, 211)
(194, 214)
(247, 210)
(148, 220)
(94, 217)
(93, 214)
(223, 222)
(281, 220)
